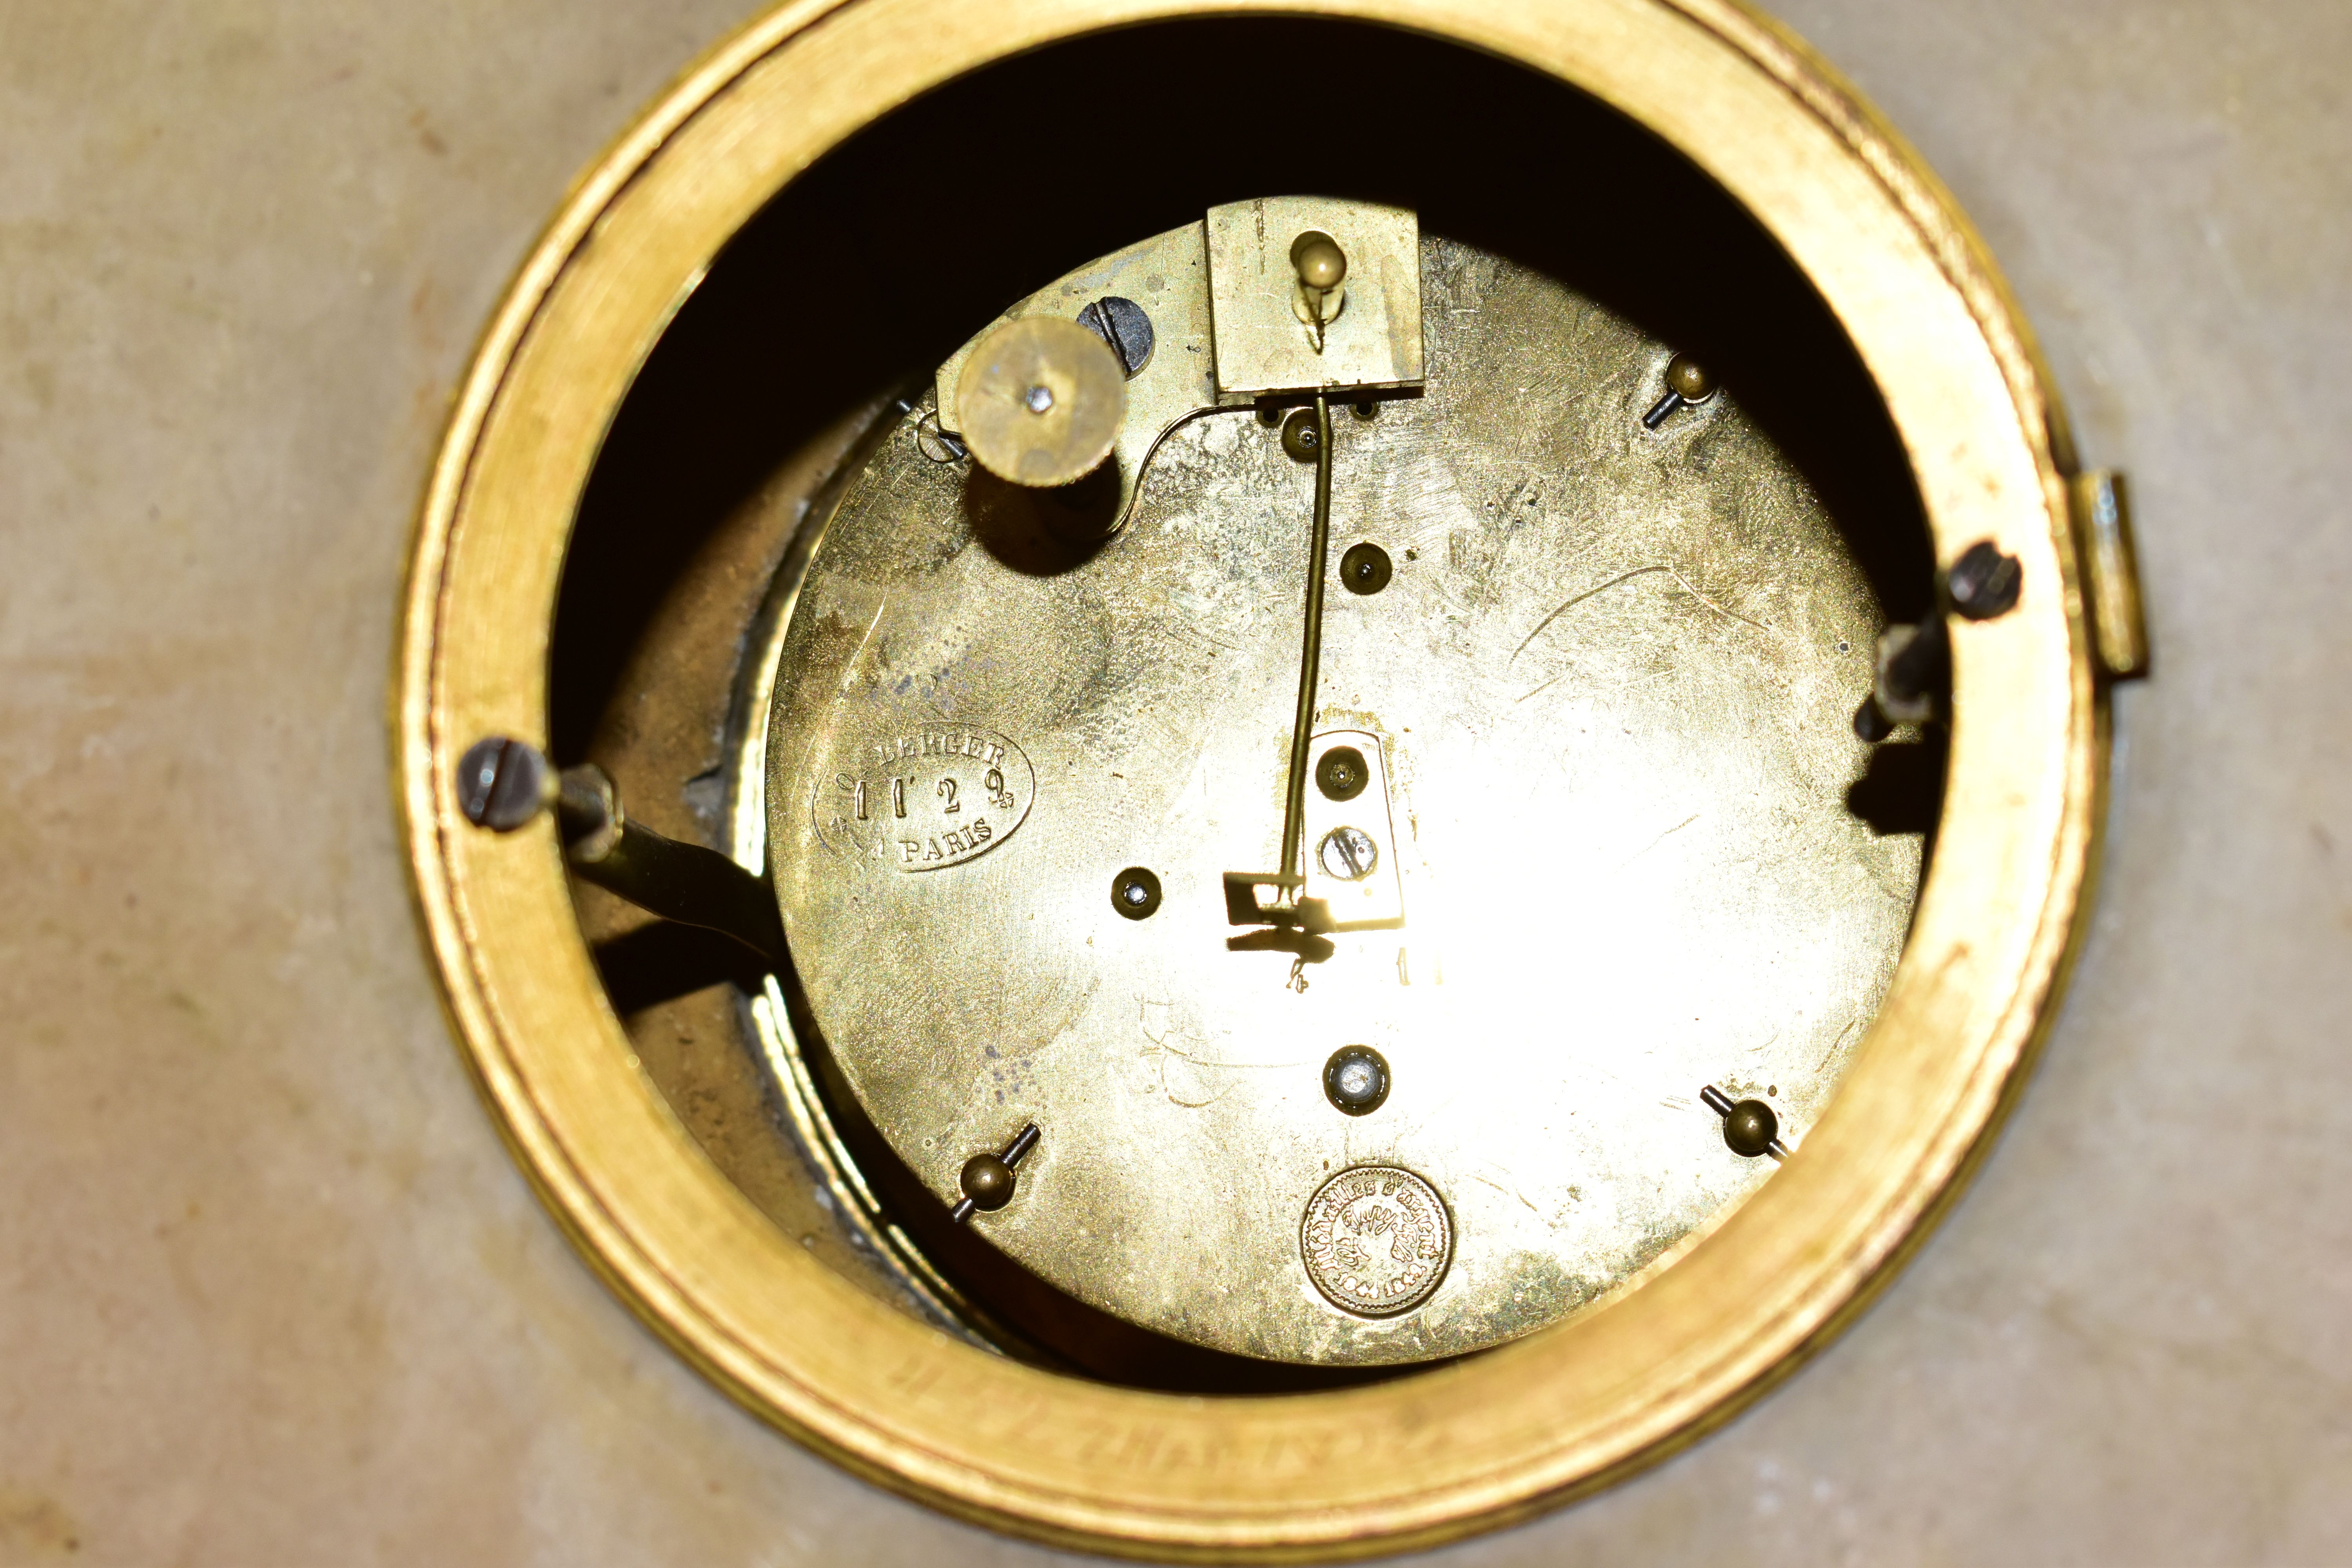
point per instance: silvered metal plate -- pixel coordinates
(1611, 680)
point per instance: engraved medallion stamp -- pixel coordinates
(924, 799)
(1377, 1240)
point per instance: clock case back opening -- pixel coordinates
(780, 371)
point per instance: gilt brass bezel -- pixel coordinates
(1425, 1456)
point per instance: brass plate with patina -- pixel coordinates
(1611, 682)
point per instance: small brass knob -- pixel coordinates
(1689, 380)
(1751, 1128)
(988, 1182)
(1320, 263)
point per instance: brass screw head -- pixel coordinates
(503, 783)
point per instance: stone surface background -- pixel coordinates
(270, 1291)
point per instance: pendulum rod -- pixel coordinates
(1293, 800)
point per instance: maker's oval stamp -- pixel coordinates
(1377, 1240)
(924, 798)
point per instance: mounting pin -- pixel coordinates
(1687, 383)
(988, 1180)
(1749, 1127)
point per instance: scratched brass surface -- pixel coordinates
(1431, 1455)
(1610, 683)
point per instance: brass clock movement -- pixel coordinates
(1257, 784)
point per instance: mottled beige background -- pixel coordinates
(270, 1291)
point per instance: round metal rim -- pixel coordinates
(1424, 1457)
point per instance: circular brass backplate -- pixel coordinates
(1419, 1458)
(1621, 857)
